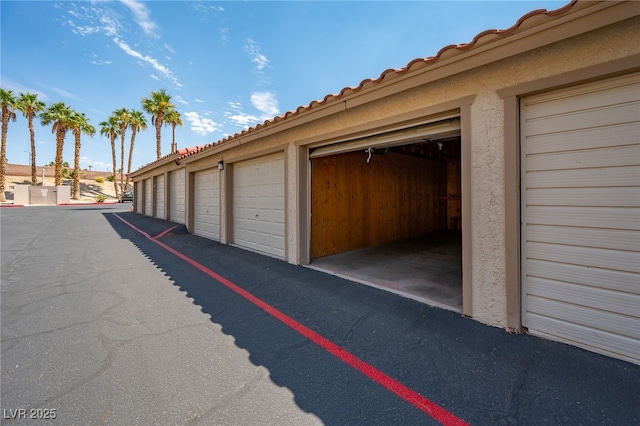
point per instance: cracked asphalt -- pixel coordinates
(100, 325)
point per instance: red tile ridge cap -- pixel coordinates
(388, 73)
(393, 72)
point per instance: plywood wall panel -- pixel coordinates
(357, 204)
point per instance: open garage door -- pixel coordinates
(258, 204)
(581, 215)
(385, 188)
(160, 197)
(386, 211)
(206, 204)
(177, 197)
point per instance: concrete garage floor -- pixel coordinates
(426, 268)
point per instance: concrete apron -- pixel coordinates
(427, 269)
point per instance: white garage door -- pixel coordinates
(147, 197)
(138, 196)
(160, 197)
(177, 197)
(581, 215)
(258, 204)
(206, 204)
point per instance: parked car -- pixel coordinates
(126, 196)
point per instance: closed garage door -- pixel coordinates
(138, 196)
(160, 197)
(206, 204)
(147, 197)
(258, 201)
(581, 215)
(177, 197)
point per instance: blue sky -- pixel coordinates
(228, 65)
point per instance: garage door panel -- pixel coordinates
(593, 318)
(139, 188)
(258, 199)
(585, 178)
(160, 197)
(624, 134)
(596, 117)
(580, 192)
(177, 196)
(613, 344)
(586, 297)
(598, 258)
(624, 90)
(147, 197)
(606, 279)
(206, 204)
(584, 197)
(587, 217)
(585, 237)
(604, 157)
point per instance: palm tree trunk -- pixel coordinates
(58, 164)
(174, 147)
(158, 134)
(122, 188)
(34, 179)
(3, 154)
(76, 168)
(113, 155)
(133, 140)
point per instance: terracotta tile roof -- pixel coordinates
(446, 52)
(528, 20)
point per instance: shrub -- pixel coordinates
(101, 198)
(67, 174)
(110, 178)
(100, 179)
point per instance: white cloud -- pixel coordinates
(141, 16)
(200, 101)
(82, 30)
(253, 49)
(242, 119)
(100, 18)
(166, 72)
(63, 93)
(95, 61)
(201, 125)
(17, 88)
(180, 100)
(266, 103)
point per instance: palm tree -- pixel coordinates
(80, 125)
(123, 117)
(157, 105)
(172, 118)
(31, 106)
(111, 128)
(8, 102)
(137, 122)
(61, 117)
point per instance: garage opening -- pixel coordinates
(386, 211)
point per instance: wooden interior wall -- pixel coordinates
(356, 205)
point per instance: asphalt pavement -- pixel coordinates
(109, 317)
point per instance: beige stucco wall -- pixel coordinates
(489, 286)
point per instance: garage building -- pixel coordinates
(499, 178)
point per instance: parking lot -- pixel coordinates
(109, 317)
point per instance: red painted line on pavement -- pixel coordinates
(432, 409)
(163, 233)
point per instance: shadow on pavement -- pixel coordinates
(479, 373)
